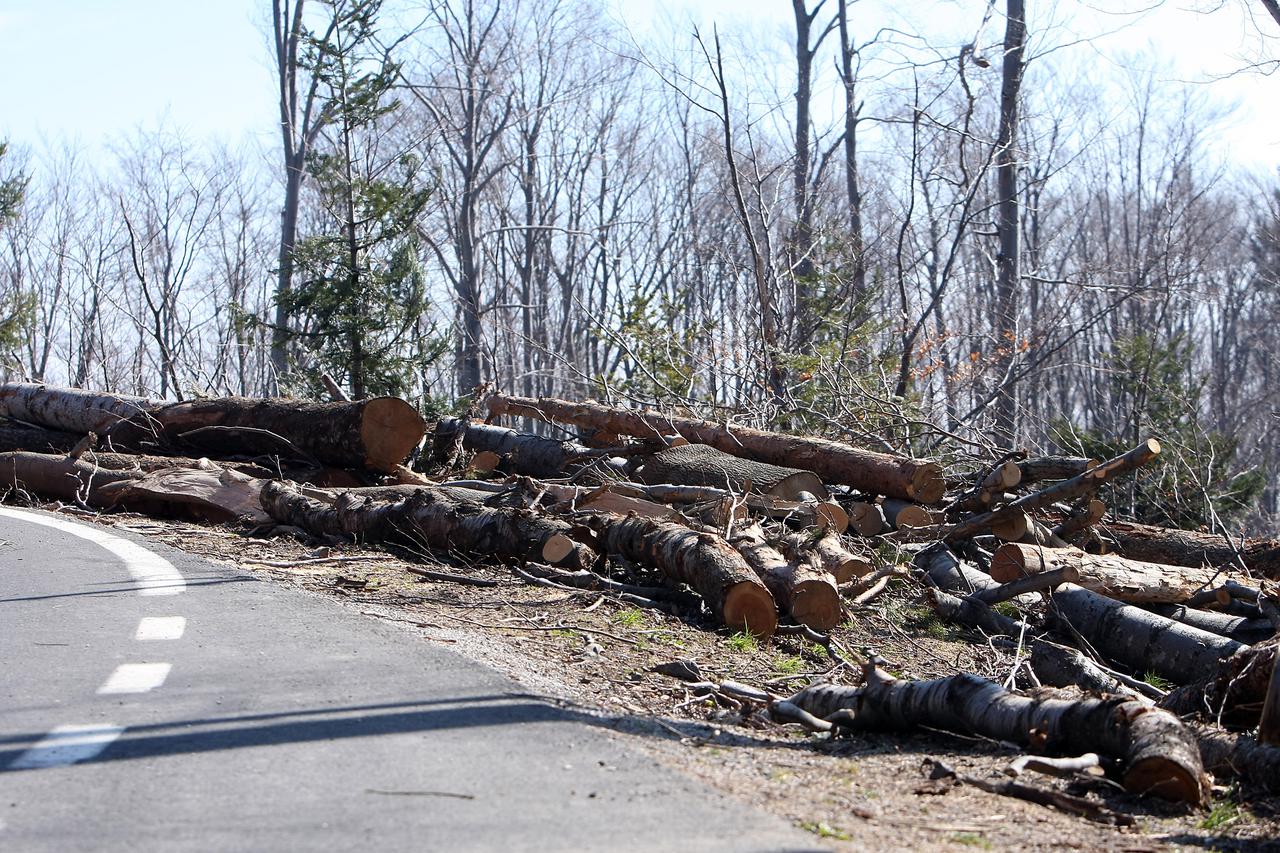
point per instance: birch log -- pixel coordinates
(1106, 574)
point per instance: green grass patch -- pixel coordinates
(1222, 815)
(1156, 681)
(972, 839)
(789, 665)
(743, 642)
(919, 619)
(632, 618)
(824, 830)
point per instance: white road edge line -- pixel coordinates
(67, 745)
(153, 574)
(161, 628)
(136, 678)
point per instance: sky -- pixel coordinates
(91, 70)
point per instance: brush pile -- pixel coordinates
(737, 528)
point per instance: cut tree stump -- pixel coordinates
(436, 519)
(704, 561)
(1124, 580)
(833, 461)
(1158, 752)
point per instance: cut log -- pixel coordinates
(19, 436)
(902, 514)
(831, 555)
(1054, 468)
(1232, 756)
(1189, 548)
(704, 561)
(700, 465)
(1125, 580)
(1158, 752)
(799, 587)
(1079, 486)
(1012, 527)
(1081, 519)
(434, 518)
(1138, 639)
(59, 477)
(833, 461)
(522, 453)
(69, 409)
(866, 518)
(1238, 628)
(1060, 666)
(1232, 695)
(1040, 581)
(377, 433)
(973, 613)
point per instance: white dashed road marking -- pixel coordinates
(153, 574)
(161, 628)
(136, 678)
(67, 745)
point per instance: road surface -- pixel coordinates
(153, 701)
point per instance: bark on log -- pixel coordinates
(831, 555)
(19, 436)
(69, 409)
(1159, 754)
(436, 519)
(1060, 666)
(58, 477)
(1235, 693)
(1138, 639)
(799, 587)
(704, 561)
(1037, 582)
(974, 613)
(1229, 755)
(902, 514)
(1076, 487)
(1189, 548)
(522, 453)
(1238, 628)
(1081, 519)
(1124, 580)
(833, 461)
(376, 433)
(1269, 724)
(700, 465)
(1054, 468)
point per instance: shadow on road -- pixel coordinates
(184, 737)
(130, 586)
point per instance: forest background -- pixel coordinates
(940, 232)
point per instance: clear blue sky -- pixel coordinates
(92, 69)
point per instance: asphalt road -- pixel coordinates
(152, 701)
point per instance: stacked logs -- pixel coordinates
(764, 527)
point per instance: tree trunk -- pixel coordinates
(1190, 548)
(1235, 694)
(1159, 753)
(20, 436)
(1140, 640)
(1054, 468)
(1229, 756)
(737, 598)
(830, 553)
(60, 477)
(1239, 628)
(1060, 666)
(833, 461)
(700, 465)
(69, 409)
(798, 586)
(524, 453)
(1125, 580)
(436, 519)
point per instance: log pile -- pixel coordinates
(743, 529)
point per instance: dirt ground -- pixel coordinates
(597, 654)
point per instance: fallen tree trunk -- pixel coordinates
(435, 519)
(69, 409)
(1239, 628)
(1054, 468)
(16, 436)
(1138, 639)
(60, 477)
(700, 465)
(1125, 580)
(522, 453)
(1158, 753)
(1060, 666)
(799, 587)
(876, 473)
(1228, 755)
(704, 561)
(1191, 548)
(1079, 486)
(376, 433)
